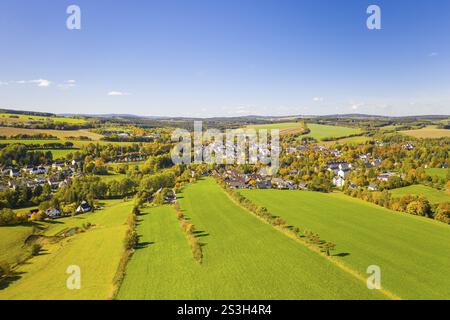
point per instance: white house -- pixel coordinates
(84, 207)
(53, 213)
(338, 181)
(343, 173)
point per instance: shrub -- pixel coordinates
(443, 212)
(131, 240)
(5, 269)
(36, 249)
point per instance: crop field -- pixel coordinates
(411, 251)
(243, 257)
(433, 195)
(320, 131)
(440, 172)
(60, 134)
(96, 251)
(428, 132)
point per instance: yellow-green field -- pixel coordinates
(433, 195)
(96, 251)
(412, 252)
(7, 117)
(428, 132)
(440, 172)
(285, 128)
(12, 241)
(76, 143)
(243, 257)
(320, 131)
(60, 134)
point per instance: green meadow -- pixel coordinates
(411, 251)
(320, 131)
(433, 195)
(27, 118)
(440, 172)
(243, 257)
(12, 243)
(76, 143)
(97, 252)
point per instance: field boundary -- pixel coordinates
(334, 261)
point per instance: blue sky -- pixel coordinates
(226, 58)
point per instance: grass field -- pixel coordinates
(243, 257)
(285, 128)
(433, 195)
(27, 118)
(12, 243)
(411, 251)
(349, 141)
(60, 153)
(112, 176)
(60, 134)
(97, 252)
(320, 131)
(428, 132)
(440, 172)
(76, 143)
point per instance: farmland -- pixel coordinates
(405, 247)
(14, 118)
(433, 195)
(285, 128)
(320, 131)
(76, 143)
(244, 258)
(427, 132)
(96, 251)
(60, 134)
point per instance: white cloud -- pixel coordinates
(356, 106)
(117, 94)
(433, 54)
(318, 99)
(68, 84)
(3, 83)
(39, 82)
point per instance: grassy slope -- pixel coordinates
(163, 268)
(319, 131)
(411, 251)
(12, 240)
(244, 258)
(96, 251)
(440, 172)
(433, 195)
